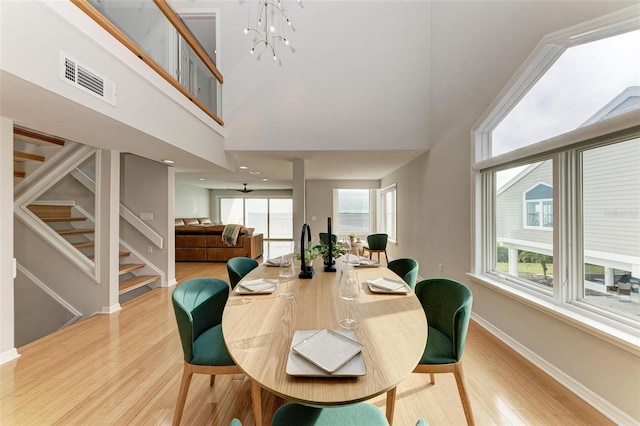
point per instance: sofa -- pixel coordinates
(200, 240)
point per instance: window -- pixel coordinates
(353, 211)
(558, 181)
(388, 212)
(538, 203)
(272, 217)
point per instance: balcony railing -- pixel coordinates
(155, 34)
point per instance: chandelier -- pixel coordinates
(272, 25)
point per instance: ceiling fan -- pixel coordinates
(244, 190)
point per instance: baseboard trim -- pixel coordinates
(8, 355)
(596, 401)
(110, 309)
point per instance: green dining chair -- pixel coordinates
(198, 305)
(358, 414)
(407, 269)
(447, 305)
(238, 267)
(324, 238)
(376, 243)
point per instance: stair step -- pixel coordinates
(63, 219)
(76, 231)
(27, 156)
(120, 254)
(19, 174)
(40, 137)
(136, 282)
(128, 267)
(85, 244)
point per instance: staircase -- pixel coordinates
(66, 218)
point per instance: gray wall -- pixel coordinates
(192, 201)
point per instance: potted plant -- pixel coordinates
(311, 252)
(336, 251)
(352, 238)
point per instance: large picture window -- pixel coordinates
(558, 181)
(353, 211)
(273, 217)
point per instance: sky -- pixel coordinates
(582, 81)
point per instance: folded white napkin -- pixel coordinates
(275, 262)
(259, 284)
(387, 284)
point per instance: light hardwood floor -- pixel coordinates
(125, 369)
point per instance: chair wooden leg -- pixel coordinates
(391, 404)
(466, 406)
(256, 401)
(433, 378)
(212, 380)
(182, 395)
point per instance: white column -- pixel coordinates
(608, 277)
(170, 242)
(7, 348)
(513, 261)
(108, 227)
(299, 201)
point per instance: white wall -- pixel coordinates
(7, 346)
(434, 191)
(192, 201)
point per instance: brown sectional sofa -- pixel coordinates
(199, 240)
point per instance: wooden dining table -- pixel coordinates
(258, 331)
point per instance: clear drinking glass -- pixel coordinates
(287, 271)
(349, 289)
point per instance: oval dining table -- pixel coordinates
(258, 331)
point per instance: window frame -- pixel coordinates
(541, 203)
(341, 233)
(393, 234)
(267, 235)
(568, 254)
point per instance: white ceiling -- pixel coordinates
(371, 85)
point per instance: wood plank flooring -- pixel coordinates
(125, 369)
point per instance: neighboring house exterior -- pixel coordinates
(610, 217)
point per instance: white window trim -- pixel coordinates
(563, 305)
(381, 208)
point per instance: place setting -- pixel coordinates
(324, 353)
(257, 286)
(388, 286)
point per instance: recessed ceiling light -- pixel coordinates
(201, 179)
(265, 179)
(168, 161)
(254, 173)
(243, 167)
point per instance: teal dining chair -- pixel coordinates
(376, 243)
(198, 305)
(447, 305)
(420, 422)
(358, 414)
(407, 269)
(324, 238)
(238, 267)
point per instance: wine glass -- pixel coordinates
(287, 271)
(349, 289)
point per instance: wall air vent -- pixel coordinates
(80, 76)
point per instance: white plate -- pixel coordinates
(256, 286)
(368, 263)
(387, 285)
(327, 349)
(274, 262)
(298, 366)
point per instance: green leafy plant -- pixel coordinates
(311, 252)
(336, 251)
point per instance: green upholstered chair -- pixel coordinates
(376, 243)
(198, 305)
(238, 267)
(324, 238)
(359, 414)
(407, 269)
(447, 304)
